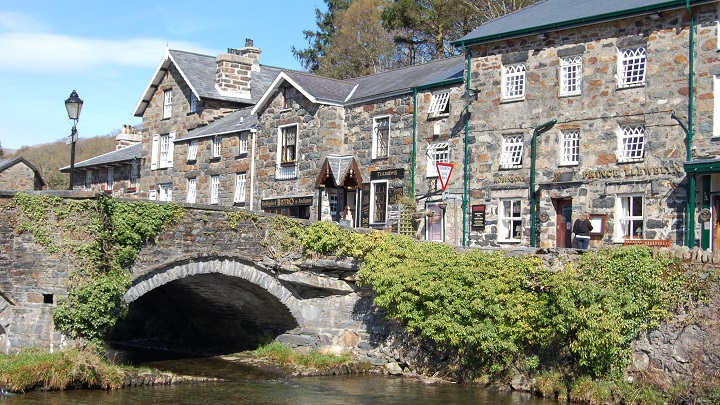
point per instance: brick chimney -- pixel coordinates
(233, 73)
(127, 137)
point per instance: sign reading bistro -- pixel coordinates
(286, 202)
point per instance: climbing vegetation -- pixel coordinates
(100, 238)
(499, 311)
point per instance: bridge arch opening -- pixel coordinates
(207, 307)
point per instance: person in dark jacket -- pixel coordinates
(581, 229)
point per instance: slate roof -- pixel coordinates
(553, 15)
(323, 88)
(238, 121)
(339, 165)
(199, 72)
(124, 155)
(403, 80)
(8, 163)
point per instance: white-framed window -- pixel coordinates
(379, 196)
(436, 152)
(570, 147)
(193, 102)
(632, 67)
(631, 143)
(287, 152)
(332, 194)
(162, 151)
(510, 220)
(381, 137)
(243, 143)
(165, 192)
(716, 115)
(214, 189)
(110, 182)
(630, 217)
(217, 146)
(167, 104)
(513, 82)
(134, 174)
(192, 151)
(571, 75)
(152, 195)
(191, 191)
(512, 151)
(439, 105)
(240, 181)
(88, 180)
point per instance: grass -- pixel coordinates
(76, 368)
(284, 355)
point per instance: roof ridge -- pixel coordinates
(413, 66)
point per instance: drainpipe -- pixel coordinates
(690, 222)
(533, 202)
(465, 158)
(253, 133)
(413, 158)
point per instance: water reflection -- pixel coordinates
(250, 385)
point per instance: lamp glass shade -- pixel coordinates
(73, 105)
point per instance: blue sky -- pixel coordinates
(109, 50)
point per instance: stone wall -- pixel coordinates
(19, 177)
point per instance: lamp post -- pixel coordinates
(73, 105)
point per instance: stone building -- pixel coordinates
(18, 174)
(586, 109)
(116, 173)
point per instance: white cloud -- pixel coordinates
(16, 22)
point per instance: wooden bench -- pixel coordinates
(648, 242)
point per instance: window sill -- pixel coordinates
(381, 158)
(625, 161)
(630, 86)
(287, 164)
(569, 95)
(215, 159)
(241, 155)
(568, 164)
(282, 110)
(239, 204)
(510, 167)
(432, 117)
(510, 241)
(191, 161)
(512, 100)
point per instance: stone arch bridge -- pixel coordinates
(203, 285)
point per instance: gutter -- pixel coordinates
(690, 223)
(253, 133)
(533, 198)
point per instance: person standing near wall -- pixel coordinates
(581, 229)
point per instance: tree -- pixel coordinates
(2, 152)
(360, 45)
(424, 29)
(319, 40)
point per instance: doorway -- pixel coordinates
(716, 223)
(563, 221)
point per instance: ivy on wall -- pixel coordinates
(101, 238)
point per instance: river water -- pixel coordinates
(251, 385)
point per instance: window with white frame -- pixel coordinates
(510, 220)
(192, 151)
(379, 193)
(287, 153)
(162, 151)
(193, 102)
(570, 147)
(167, 104)
(512, 151)
(243, 143)
(110, 182)
(513, 82)
(381, 137)
(88, 180)
(632, 67)
(217, 146)
(571, 75)
(332, 194)
(631, 146)
(716, 116)
(439, 105)
(191, 191)
(630, 217)
(165, 192)
(436, 153)
(240, 181)
(214, 189)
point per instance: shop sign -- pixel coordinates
(477, 218)
(286, 202)
(365, 206)
(672, 168)
(387, 174)
(510, 178)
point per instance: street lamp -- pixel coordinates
(73, 105)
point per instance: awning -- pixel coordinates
(704, 166)
(339, 171)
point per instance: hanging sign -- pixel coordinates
(444, 171)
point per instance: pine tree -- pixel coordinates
(319, 40)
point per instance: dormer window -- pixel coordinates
(193, 103)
